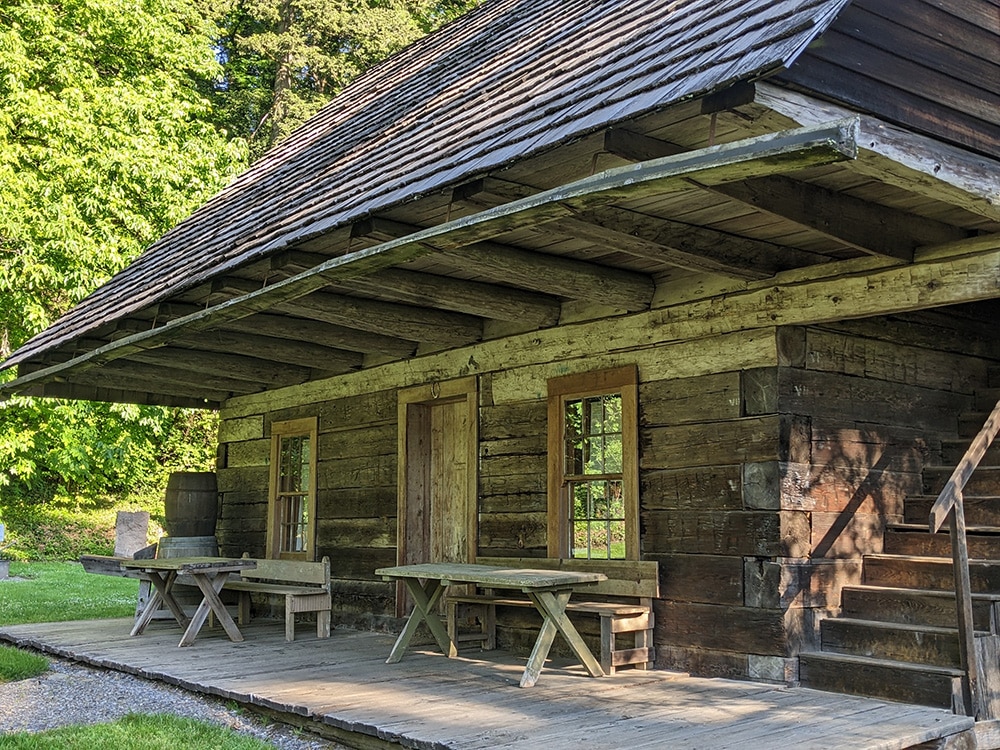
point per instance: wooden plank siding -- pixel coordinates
(767, 468)
(928, 66)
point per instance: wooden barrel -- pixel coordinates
(191, 504)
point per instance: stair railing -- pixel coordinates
(949, 506)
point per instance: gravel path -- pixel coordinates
(71, 693)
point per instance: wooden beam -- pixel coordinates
(279, 349)
(236, 366)
(107, 393)
(323, 334)
(870, 228)
(694, 247)
(661, 240)
(539, 272)
(916, 163)
(769, 154)
(413, 323)
(197, 382)
(471, 297)
(553, 274)
(107, 380)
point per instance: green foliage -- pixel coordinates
(54, 592)
(148, 732)
(284, 59)
(105, 143)
(16, 664)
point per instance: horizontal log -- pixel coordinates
(244, 428)
(513, 530)
(704, 662)
(712, 579)
(895, 363)
(781, 584)
(513, 419)
(410, 322)
(458, 295)
(714, 443)
(364, 471)
(370, 533)
(534, 445)
(243, 479)
(705, 488)
(356, 502)
(248, 453)
(706, 398)
(513, 502)
(736, 533)
(378, 440)
(719, 627)
(322, 333)
(880, 488)
(512, 484)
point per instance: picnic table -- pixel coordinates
(548, 590)
(208, 573)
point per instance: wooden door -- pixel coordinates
(438, 477)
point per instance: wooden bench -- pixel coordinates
(305, 586)
(625, 606)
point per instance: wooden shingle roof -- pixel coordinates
(511, 79)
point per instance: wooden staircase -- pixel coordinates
(897, 636)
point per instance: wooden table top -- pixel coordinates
(191, 564)
(489, 575)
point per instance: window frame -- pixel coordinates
(620, 380)
(306, 427)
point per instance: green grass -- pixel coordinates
(136, 732)
(57, 591)
(16, 664)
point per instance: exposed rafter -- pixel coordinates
(409, 322)
(254, 370)
(321, 333)
(279, 349)
(872, 229)
(549, 274)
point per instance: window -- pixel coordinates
(292, 501)
(593, 465)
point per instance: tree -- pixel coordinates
(106, 141)
(284, 59)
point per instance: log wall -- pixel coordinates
(770, 464)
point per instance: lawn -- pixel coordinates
(56, 591)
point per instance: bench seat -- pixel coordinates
(635, 582)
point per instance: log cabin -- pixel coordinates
(712, 283)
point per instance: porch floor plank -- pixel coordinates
(473, 702)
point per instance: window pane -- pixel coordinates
(598, 519)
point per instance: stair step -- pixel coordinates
(882, 678)
(912, 571)
(916, 539)
(953, 450)
(971, 422)
(913, 606)
(984, 481)
(919, 644)
(979, 510)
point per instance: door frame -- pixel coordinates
(465, 390)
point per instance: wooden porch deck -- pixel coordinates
(341, 688)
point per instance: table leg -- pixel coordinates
(162, 595)
(552, 606)
(425, 598)
(210, 586)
